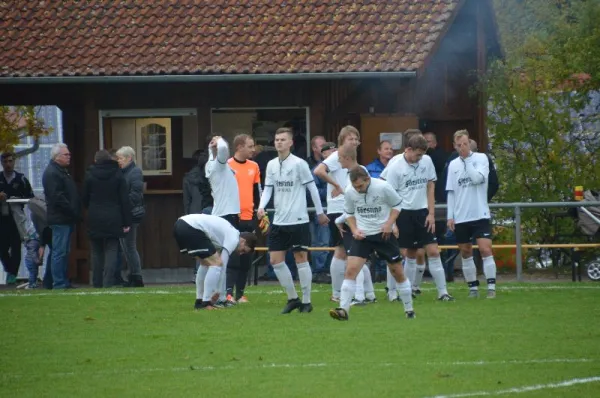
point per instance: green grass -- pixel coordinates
(149, 344)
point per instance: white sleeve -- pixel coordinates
(478, 169)
(314, 195)
(341, 219)
(449, 178)
(305, 175)
(431, 176)
(450, 204)
(392, 197)
(332, 163)
(384, 173)
(266, 196)
(348, 202)
(222, 151)
(268, 177)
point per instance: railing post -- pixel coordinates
(518, 243)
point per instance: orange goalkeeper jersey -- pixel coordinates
(247, 174)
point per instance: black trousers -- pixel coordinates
(239, 265)
(10, 245)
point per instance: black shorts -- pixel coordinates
(285, 237)
(192, 241)
(412, 231)
(465, 232)
(386, 249)
(336, 239)
(234, 219)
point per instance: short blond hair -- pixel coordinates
(345, 132)
(461, 133)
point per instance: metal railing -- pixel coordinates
(519, 245)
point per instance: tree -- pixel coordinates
(543, 104)
(17, 122)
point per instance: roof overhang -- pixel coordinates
(206, 78)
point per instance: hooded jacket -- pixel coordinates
(106, 196)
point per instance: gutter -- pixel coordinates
(245, 77)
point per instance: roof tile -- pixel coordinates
(98, 37)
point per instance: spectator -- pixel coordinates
(135, 188)
(37, 211)
(63, 211)
(436, 153)
(316, 145)
(384, 154)
(119, 264)
(12, 185)
(196, 188)
(105, 195)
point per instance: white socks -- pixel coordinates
(200, 277)
(391, 285)
(285, 279)
(410, 269)
(348, 289)
(368, 284)
(436, 270)
(405, 291)
(337, 270)
(418, 276)
(359, 294)
(305, 276)
(470, 272)
(489, 270)
(211, 282)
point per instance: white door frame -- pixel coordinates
(140, 113)
(251, 108)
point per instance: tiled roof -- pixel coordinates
(138, 37)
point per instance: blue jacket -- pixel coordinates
(375, 168)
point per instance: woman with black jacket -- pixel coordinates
(109, 215)
(135, 191)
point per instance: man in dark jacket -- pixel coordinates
(196, 189)
(12, 185)
(106, 196)
(63, 211)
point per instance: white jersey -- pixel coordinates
(340, 176)
(222, 180)
(371, 209)
(410, 180)
(470, 195)
(220, 232)
(288, 179)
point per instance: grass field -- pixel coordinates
(537, 340)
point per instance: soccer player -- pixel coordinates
(469, 213)
(247, 175)
(203, 236)
(413, 177)
(365, 292)
(287, 178)
(336, 176)
(372, 207)
(225, 194)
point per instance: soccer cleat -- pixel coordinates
(491, 294)
(473, 293)
(230, 298)
(229, 303)
(242, 299)
(291, 305)
(306, 307)
(11, 279)
(202, 305)
(416, 291)
(360, 303)
(446, 297)
(410, 314)
(219, 304)
(338, 313)
(414, 295)
(198, 304)
(371, 301)
(334, 299)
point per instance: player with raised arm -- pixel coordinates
(469, 212)
(287, 178)
(372, 207)
(336, 177)
(211, 240)
(224, 189)
(413, 177)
